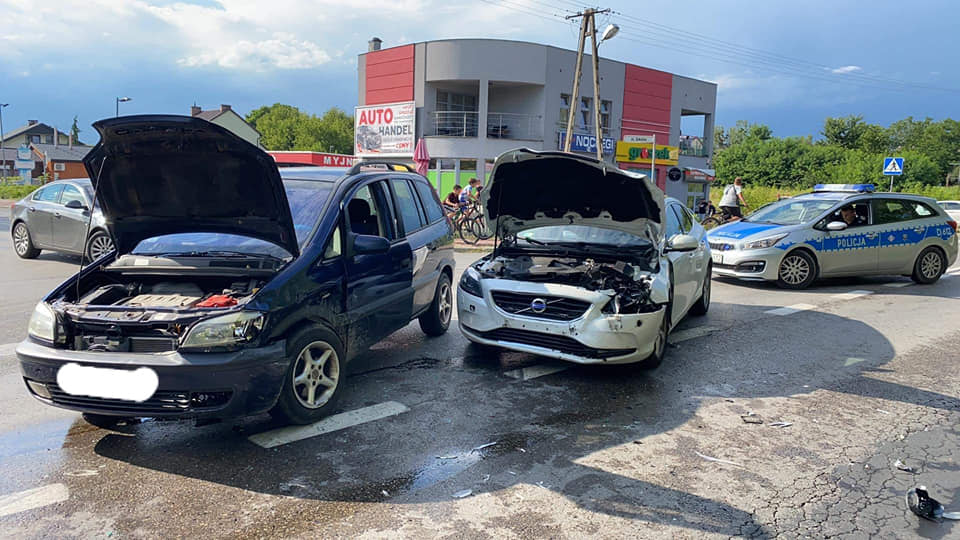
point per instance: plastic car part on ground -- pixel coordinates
(922, 504)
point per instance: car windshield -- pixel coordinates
(581, 236)
(792, 211)
(306, 199)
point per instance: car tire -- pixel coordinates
(702, 305)
(797, 270)
(23, 243)
(98, 245)
(316, 358)
(436, 320)
(660, 347)
(929, 266)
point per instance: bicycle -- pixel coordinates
(471, 225)
(716, 220)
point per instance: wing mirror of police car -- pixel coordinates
(836, 226)
(682, 242)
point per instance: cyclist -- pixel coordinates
(732, 200)
(452, 202)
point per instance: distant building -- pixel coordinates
(61, 161)
(226, 117)
(34, 132)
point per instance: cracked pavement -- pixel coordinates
(601, 452)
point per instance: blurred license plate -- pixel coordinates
(130, 385)
(717, 257)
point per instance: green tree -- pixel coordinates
(845, 132)
(284, 127)
(720, 139)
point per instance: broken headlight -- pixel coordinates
(470, 283)
(224, 331)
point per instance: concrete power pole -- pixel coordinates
(587, 24)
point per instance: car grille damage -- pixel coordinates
(555, 342)
(552, 308)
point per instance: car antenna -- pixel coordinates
(86, 235)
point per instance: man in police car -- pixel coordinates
(851, 218)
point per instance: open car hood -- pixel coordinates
(529, 189)
(164, 174)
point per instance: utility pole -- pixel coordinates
(587, 24)
(3, 155)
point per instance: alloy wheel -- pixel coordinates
(100, 245)
(316, 374)
(21, 239)
(930, 265)
(445, 305)
(794, 270)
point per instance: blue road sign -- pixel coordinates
(893, 166)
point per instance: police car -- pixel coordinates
(837, 230)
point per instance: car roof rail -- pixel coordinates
(379, 165)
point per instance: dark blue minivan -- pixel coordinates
(235, 287)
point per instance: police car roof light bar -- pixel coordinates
(852, 188)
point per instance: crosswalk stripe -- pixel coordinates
(898, 284)
(691, 333)
(533, 372)
(286, 435)
(790, 309)
(851, 295)
(33, 498)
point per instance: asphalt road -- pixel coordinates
(863, 370)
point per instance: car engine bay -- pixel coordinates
(628, 287)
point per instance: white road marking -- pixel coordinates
(286, 435)
(790, 309)
(898, 284)
(33, 498)
(691, 333)
(533, 372)
(7, 349)
(851, 295)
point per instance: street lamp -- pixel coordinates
(608, 32)
(3, 155)
(121, 100)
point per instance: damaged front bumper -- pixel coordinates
(750, 264)
(594, 338)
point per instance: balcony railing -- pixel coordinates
(514, 126)
(581, 128)
(499, 125)
(693, 151)
(453, 123)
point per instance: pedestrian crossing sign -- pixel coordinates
(893, 166)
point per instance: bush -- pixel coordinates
(16, 192)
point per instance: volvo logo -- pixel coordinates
(538, 305)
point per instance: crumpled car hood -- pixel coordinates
(164, 174)
(529, 189)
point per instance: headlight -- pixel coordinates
(224, 331)
(43, 323)
(470, 283)
(764, 243)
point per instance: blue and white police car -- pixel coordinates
(837, 230)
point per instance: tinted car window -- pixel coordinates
(407, 206)
(892, 211)
(365, 214)
(71, 193)
(49, 194)
(673, 225)
(923, 210)
(429, 200)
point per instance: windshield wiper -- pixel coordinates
(214, 253)
(532, 241)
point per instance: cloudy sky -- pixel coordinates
(784, 64)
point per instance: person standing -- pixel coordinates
(732, 200)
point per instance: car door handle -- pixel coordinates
(919, 230)
(32, 209)
(871, 236)
(56, 215)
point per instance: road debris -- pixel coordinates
(80, 473)
(384, 492)
(448, 457)
(511, 472)
(883, 411)
(717, 460)
(751, 418)
(780, 424)
(922, 504)
(903, 466)
(522, 450)
(482, 446)
(463, 493)
(486, 477)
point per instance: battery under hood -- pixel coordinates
(529, 189)
(156, 175)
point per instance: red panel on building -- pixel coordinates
(646, 102)
(317, 159)
(390, 75)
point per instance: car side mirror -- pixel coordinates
(836, 226)
(682, 242)
(75, 205)
(366, 244)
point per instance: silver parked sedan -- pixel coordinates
(55, 217)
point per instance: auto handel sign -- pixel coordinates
(628, 152)
(384, 130)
